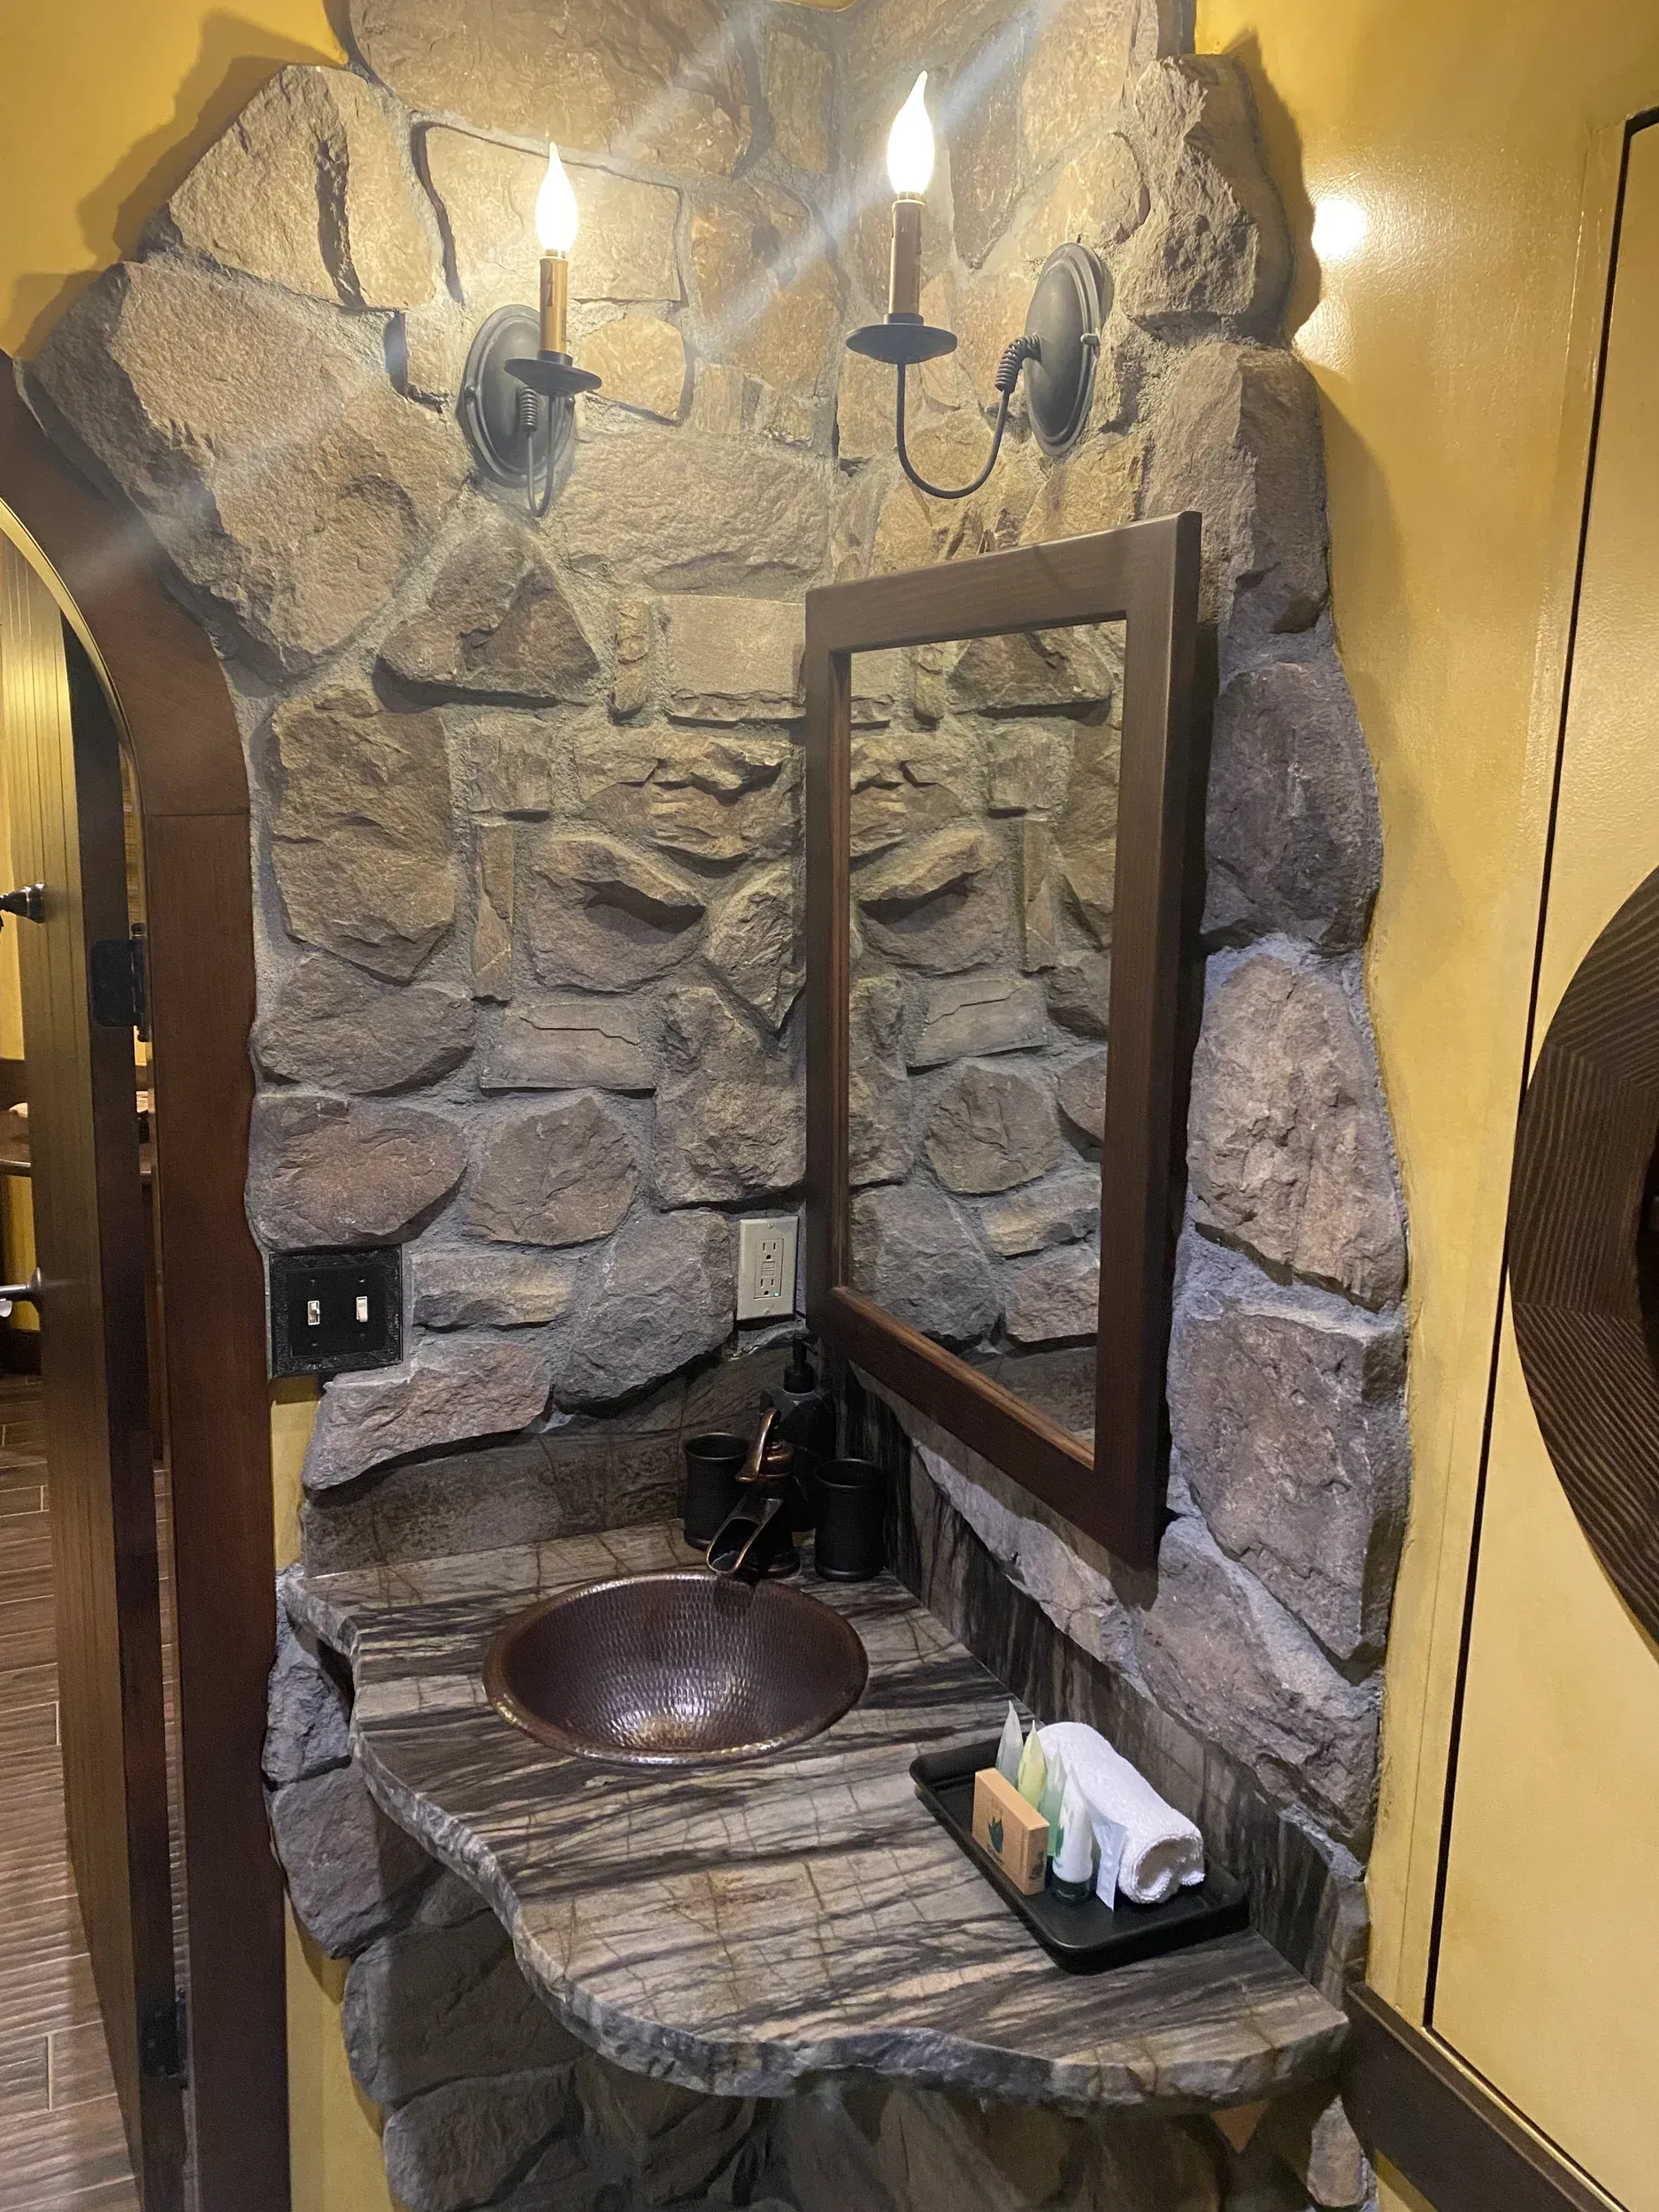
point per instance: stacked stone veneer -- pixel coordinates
(527, 799)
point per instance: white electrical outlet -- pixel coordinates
(766, 1269)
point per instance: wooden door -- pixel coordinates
(63, 766)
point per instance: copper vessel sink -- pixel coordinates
(675, 1669)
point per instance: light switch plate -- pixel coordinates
(336, 1312)
(766, 1268)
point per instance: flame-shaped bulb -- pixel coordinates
(910, 144)
(556, 215)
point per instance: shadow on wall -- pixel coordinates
(234, 57)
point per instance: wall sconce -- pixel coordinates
(518, 394)
(1058, 350)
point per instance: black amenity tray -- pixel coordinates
(1083, 1939)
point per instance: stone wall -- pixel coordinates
(528, 800)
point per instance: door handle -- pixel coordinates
(29, 905)
(10, 1292)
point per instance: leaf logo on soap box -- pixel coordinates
(995, 1831)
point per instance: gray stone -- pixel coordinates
(1031, 775)
(1038, 921)
(493, 868)
(880, 1147)
(487, 194)
(562, 1174)
(1055, 1296)
(1036, 671)
(731, 1120)
(1222, 1653)
(307, 188)
(991, 1128)
(913, 1254)
(328, 1024)
(663, 85)
(458, 2145)
(909, 783)
(572, 2174)
(731, 660)
(352, 1874)
(676, 2140)
(449, 1389)
(767, 285)
(833, 2164)
(1081, 1092)
(1099, 197)
(363, 832)
(453, 1289)
(1289, 1148)
(797, 76)
(568, 1044)
(681, 512)
(427, 2005)
(939, 903)
(1080, 70)
(631, 677)
(1063, 1210)
(710, 799)
(1080, 991)
(1236, 435)
(1293, 841)
(285, 477)
(1214, 253)
(664, 1296)
(1289, 1426)
(446, 1902)
(976, 1014)
(323, 1172)
(1312, 2134)
(754, 942)
(509, 758)
(600, 916)
(495, 622)
(1087, 831)
(640, 360)
(308, 1729)
(985, 163)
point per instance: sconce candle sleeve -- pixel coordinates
(556, 293)
(904, 275)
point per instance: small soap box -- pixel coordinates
(1010, 1831)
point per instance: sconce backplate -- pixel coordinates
(1064, 318)
(489, 411)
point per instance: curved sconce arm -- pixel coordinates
(1014, 359)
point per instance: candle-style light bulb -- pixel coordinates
(910, 167)
(555, 220)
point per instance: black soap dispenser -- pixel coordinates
(806, 1415)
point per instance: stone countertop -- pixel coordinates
(734, 1929)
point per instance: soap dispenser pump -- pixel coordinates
(806, 1408)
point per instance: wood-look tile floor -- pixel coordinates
(61, 2146)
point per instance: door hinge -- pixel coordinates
(116, 970)
(163, 2038)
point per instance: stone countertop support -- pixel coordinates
(736, 1931)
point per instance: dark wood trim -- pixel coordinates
(1411, 2103)
(1145, 576)
(174, 709)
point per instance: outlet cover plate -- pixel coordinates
(335, 1313)
(766, 1267)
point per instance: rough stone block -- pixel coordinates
(767, 292)
(1100, 199)
(663, 1296)
(175, 378)
(676, 2140)
(939, 902)
(1289, 1425)
(495, 622)
(427, 2005)
(308, 1729)
(310, 188)
(879, 1148)
(457, 2145)
(631, 677)
(326, 1024)
(641, 360)
(1221, 1651)
(1098, 489)
(322, 1172)
(991, 1128)
(710, 799)
(1288, 1148)
(560, 1174)
(493, 868)
(1079, 71)
(985, 150)
(797, 77)
(449, 1389)
(600, 916)
(1214, 253)
(1081, 1092)
(730, 1116)
(1036, 671)
(1086, 834)
(913, 1254)
(568, 1043)
(906, 783)
(754, 942)
(1030, 776)
(1312, 2134)
(1080, 991)
(451, 1288)
(1292, 840)
(362, 831)
(968, 1015)
(352, 1874)
(1236, 435)
(1055, 1296)
(731, 660)
(1063, 1210)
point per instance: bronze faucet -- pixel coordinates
(758, 1532)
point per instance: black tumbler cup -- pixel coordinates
(852, 1515)
(713, 1464)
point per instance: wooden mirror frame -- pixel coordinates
(1146, 576)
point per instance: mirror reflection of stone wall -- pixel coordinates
(984, 841)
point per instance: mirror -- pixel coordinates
(998, 839)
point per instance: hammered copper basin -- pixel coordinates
(675, 1669)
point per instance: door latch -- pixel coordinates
(29, 904)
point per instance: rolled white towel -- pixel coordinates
(1163, 1851)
